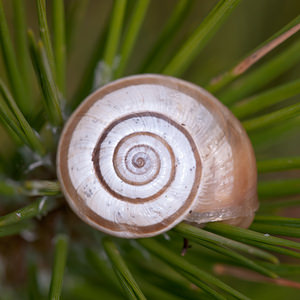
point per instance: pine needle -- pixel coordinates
(184, 267)
(198, 235)
(266, 99)
(278, 164)
(272, 118)
(127, 281)
(231, 231)
(31, 137)
(131, 35)
(200, 37)
(153, 60)
(278, 188)
(47, 83)
(276, 229)
(16, 228)
(60, 257)
(59, 43)
(22, 49)
(37, 208)
(113, 40)
(262, 75)
(274, 41)
(45, 34)
(10, 62)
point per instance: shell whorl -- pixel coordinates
(140, 154)
(142, 161)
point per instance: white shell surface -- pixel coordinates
(141, 157)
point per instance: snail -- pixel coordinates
(146, 152)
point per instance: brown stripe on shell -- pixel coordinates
(96, 162)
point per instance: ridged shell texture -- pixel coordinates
(146, 152)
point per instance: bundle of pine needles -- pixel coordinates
(37, 228)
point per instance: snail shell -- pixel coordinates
(146, 152)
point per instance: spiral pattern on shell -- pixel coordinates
(139, 155)
(143, 166)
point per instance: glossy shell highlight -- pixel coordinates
(146, 152)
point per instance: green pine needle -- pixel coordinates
(272, 118)
(232, 232)
(113, 39)
(22, 49)
(266, 99)
(154, 292)
(103, 271)
(45, 34)
(262, 75)
(41, 188)
(206, 288)
(200, 37)
(184, 267)
(285, 269)
(59, 44)
(127, 281)
(273, 135)
(278, 188)
(276, 229)
(47, 83)
(36, 209)
(131, 35)
(155, 56)
(10, 61)
(278, 164)
(277, 225)
(198, 235)
(238, 258)
(16, 228)
(268, 247)
(224, 79)
(33, 284)
(10, 121)
(60, 257)
(276, 220)
(31, 137)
